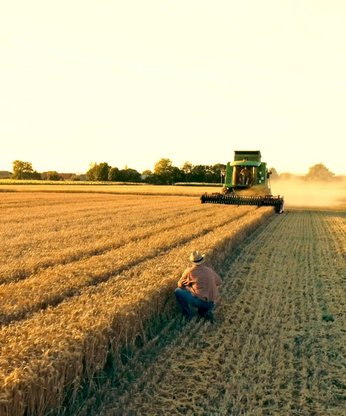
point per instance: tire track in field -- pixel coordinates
(272, 352)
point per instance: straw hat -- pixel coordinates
(197, 258)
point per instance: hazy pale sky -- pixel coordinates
(131, 81)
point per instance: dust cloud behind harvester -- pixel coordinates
(300, 193)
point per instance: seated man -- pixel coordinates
(198, 287)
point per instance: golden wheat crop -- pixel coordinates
(64, 226)
(49, 286)
(84, 274)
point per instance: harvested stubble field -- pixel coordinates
(90, 326)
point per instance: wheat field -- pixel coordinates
(84, 275)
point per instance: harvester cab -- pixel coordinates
(246, 183)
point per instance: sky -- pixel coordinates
(130, 82)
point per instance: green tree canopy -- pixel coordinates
(24, 170)
(53, 175)
(164, 169)
(113, 174)
(166, 173)
(177, 175)
(147, 172)
(186, 169)
(98, 172)
(198, 173)
(153, 179)
(213, 173)
(129, 175)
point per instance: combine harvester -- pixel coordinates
(246, 183)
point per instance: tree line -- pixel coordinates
(164, 173)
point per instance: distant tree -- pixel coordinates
(164, 170)
(98, 172)
(92, 172)
(24, 170)
(198, 173)
(213, 173)
(113, 174)
(36, 175)
(209, 174)
(186, 169)
(177, 175)
(319, 172)
(147, 172)
(103, 171)
(149, 177)
(153, 179)
(204, 173)
(129, 175)
(124, 175)
(53, 175)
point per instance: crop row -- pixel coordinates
(53, 285)
(28, 206)
(54, 350)
(108, 188)
(50, 245)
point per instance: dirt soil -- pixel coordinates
(277, 346)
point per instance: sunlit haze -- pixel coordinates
(130, 82)
(298, 193)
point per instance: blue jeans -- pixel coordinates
(186, 299)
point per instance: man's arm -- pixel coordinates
(184, 280)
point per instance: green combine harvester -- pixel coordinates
(246, 182)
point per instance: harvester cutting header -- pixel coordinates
(246, 182)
